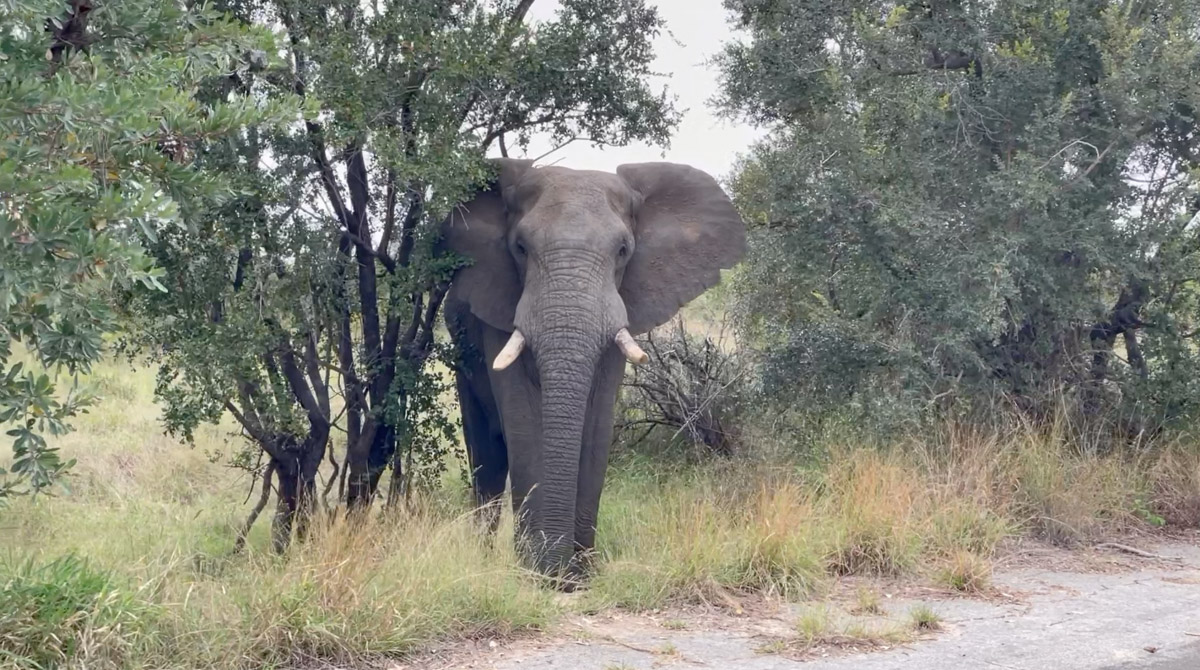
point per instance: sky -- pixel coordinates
(695, 30)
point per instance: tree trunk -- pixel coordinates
(296, 479)
(1124, 319)
(366, 461)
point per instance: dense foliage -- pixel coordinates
(98, 135)
(965, 203)
(307, 308)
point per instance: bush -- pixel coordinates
(909, 250)
(691, 386)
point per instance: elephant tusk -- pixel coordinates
(630, 348)
(510, 352)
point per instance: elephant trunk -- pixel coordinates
(568, 348)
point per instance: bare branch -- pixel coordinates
(263, 498)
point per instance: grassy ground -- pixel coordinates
(132, 567)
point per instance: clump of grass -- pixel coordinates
(67, 612)
(352, 593)
(813, 626)
(966, 572)
(866, 601)
(774, 646)
(818, 626)
(667, 649)
(875, 634)
(873, 507)
(924, 619)
(776, 554)
(681, 540)
(1175, 486)
(1068, 497)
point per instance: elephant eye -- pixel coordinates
(623, 251)
(520, 248)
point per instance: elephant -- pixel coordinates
(565, 267)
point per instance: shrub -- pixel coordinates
(691, 386)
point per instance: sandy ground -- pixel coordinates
(1101, 608)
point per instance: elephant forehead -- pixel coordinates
(567, 189)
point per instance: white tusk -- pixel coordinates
(630, 348)
(510, 352)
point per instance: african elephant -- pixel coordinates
(567, 266)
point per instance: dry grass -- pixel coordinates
(154, 522)
(866, 601)
(350, 594)
(966, 572)
(924, 619)
(820, 629)
(1175, 478)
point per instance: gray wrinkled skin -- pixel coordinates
(568, 258)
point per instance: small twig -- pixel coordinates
(1135, 551)
(333, 478)
(253, 481)
(240, 542)
(646, 650)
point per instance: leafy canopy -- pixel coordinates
(960, 201)
(99, 129)
(307, 308)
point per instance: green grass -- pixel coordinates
(966, 572)
(924, 619)
(820, 627)
(866, 601)
(132, 567)
(813, 626)
(65, 611)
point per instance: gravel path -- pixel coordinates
(1111, 611)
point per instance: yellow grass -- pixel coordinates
(154, 522)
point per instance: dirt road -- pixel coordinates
(1102, 609)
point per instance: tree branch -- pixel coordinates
(389, 218)
(510, 34)
(252, 426)
(263, 498)
(315, 131)
(312, 365)
(298, 385)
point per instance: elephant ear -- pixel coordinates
(478, 229)
(686, 231)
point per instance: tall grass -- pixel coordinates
(66, 612)
(132, 567)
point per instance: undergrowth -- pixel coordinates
(132, 567)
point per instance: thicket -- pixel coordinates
(965, 210)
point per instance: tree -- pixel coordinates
(98, 135)
(308, 308)
(959, 201)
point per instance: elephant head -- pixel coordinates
(571, 263)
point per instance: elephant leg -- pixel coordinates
(487, 453)
(597, 439)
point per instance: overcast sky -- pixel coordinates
(695, 30)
